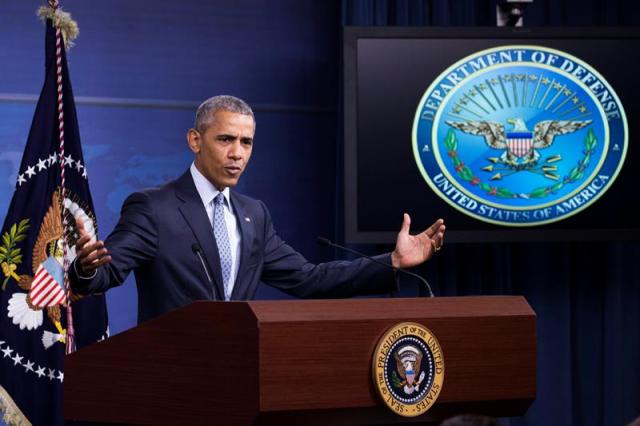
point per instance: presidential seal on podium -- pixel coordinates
(408, 369)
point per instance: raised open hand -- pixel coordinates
(412, 250)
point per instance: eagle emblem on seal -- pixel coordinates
(44, 290)
(520, 145)
(408, 360)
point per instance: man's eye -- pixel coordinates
(247, 142)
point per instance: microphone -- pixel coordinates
(328, 242)
(197, 250)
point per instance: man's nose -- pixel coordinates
(235, 150)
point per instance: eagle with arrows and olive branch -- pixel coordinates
(520, 145)
(45, 288)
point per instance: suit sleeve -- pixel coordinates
(133, 242)
(286, 269)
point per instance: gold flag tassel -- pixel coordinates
(11, 414)
(61, 20)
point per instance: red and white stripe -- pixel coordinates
(70, 340)
(520, 146)
(45, 290)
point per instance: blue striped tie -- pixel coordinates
(222, 240)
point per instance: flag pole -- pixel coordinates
(70, 344)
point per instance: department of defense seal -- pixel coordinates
(520, 135)
(408, 369)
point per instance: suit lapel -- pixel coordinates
(247, 232)
(196, 217)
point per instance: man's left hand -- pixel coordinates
(412, 250)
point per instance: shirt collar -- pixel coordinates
(206, 189)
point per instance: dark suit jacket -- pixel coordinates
(156, 238)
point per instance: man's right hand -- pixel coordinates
(90, 254)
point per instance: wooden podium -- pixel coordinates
(295, 362)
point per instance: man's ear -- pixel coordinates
(194, 139)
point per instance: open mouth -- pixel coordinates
(233, 170)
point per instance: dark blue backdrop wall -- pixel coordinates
(140, 68)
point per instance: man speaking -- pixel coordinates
(195, 239)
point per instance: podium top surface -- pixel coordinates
(385, 308)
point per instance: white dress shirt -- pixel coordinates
(208, 193)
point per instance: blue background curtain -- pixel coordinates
(139, 70)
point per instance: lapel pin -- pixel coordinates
(246, 219)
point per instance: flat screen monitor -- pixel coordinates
(508, 134)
